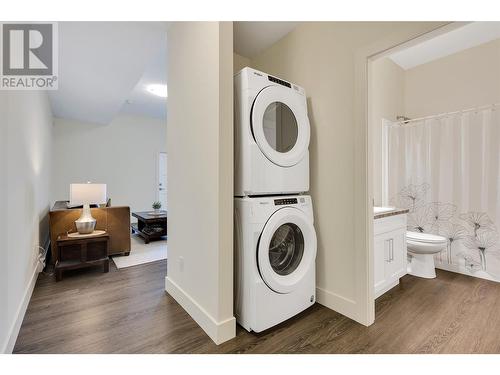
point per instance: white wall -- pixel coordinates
(122, 155)
(322, 57)
(239, 62)
(26, 144)
(200, 168)
(4, 323)
(386, 102)
(466, 79)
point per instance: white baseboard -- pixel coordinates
(219, 332)
(335, 302)
(387, 287)
(13, 332)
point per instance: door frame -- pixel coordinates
(385, 160)
(415, 33)
(157, 173)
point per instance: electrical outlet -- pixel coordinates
(181, 263)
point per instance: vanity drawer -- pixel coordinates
(388, 224)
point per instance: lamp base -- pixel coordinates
(85, 223)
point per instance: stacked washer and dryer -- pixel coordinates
(275, 240)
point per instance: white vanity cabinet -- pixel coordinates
(389, 252)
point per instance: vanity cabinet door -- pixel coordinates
(389, 256)
(396, 268)
(379, 261)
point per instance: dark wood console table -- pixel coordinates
(80, 252)
(150, 226)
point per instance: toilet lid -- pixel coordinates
(424, 237)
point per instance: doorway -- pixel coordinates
(162, 179)
(437, 125)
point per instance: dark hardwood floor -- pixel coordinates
(128, 311)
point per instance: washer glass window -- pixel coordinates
(286, 249)
(280, 127)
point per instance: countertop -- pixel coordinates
(396, 211)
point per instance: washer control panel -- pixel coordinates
(285, 201)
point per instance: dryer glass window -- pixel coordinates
(286, 249)
(280, 127)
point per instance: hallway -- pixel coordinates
(128, 311)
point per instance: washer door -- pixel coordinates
(287, 249)
(280, 125)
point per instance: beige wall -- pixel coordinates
(463, 80)
(200, 173)
(386, 102)
(122, 154)
(4, 320)
(239, 62)
(321, 57)
(26, 144)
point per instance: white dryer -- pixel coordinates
(272, 135)
(275, 253)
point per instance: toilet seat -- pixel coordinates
(425, 238)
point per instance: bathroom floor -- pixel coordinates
(127, 311)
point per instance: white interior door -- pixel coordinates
(162, 179)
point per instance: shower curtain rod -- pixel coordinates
(405, 122)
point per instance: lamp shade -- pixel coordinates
(80, 194)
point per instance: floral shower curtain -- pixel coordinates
(446, 171)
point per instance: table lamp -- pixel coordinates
(86, 194)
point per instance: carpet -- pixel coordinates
(141, 253)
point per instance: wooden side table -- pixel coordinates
(150, 226)
(73, 253)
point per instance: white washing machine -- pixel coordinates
(272, 135)
(275, 253)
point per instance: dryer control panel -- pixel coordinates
(279, 81)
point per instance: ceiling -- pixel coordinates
(105, 67)
(251, 38)
(467, 36)
(140, 101)
(104, 64)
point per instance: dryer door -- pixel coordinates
(280, 125)
(287, 249)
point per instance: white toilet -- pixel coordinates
(421, 249)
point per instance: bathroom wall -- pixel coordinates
(26, 145)
(466, 79)
(200, 168)
(451, 161)
(386, 102)
(321, 57)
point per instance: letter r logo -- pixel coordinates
(27, 49)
